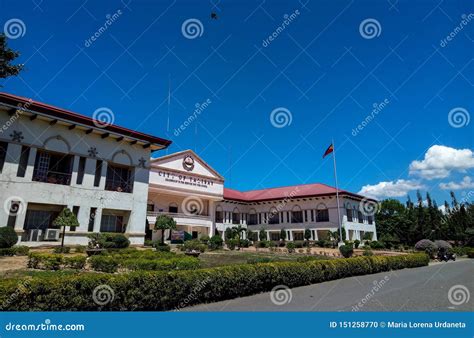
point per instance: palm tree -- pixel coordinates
(238, 230)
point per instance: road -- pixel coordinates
(419, 289)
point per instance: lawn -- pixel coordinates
(221, 258)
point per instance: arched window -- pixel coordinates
(273, 216)
(173, 208)
(296, 214)
(252, 217)
(322, 213)
(236, 216)
(219, 214)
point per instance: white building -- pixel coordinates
(51, 158)
(184, 186)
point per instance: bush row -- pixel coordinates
(151, 290)
(111, 264)
(20, 250)
(47, 261)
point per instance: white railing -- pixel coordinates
(154, 214)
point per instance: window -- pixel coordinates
(53, 168)
(98, 173)
(14, 208)
(322, 215)
(298, 236)
(3, 154)
(39, 219)
(150, 207)
(90, 226)
(349, 215)
(235, 218)
(252, 219)
(111, 223)
(370, 219)
(274, 236)
(119, 178)
(297, 217)
(173, 208)
(306, 215)
(80, 170)
(219, 217)
(23, 164)
(273, 217)
(360, 217)
(75, 211)
(312, 215)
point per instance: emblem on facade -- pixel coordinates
(17, 136)
(188, 163)
(93, 152)
(142, 162)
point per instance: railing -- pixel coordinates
(178, 215)
(53, 177)
(111, 185)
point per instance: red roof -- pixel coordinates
(294, 191)
(43, 108)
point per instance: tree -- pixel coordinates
(66, 218)
(238, 230)
(262, 235)
(164, 222)
(307, 236)
(7, 55)
(283, 235)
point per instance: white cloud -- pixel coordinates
(466, 183)
(440, 161)
(398, 188)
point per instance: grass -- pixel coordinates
(221, 258)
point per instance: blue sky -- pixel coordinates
(322, 67)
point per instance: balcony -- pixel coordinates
(182, 219)
(53, 177)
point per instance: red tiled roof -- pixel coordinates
(295, 191)
(56, 112)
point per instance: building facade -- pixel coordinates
(183, 186)
(51, 158)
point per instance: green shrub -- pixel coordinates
(108, 240)
(232, 243)
(216, 242)
(427, 246)
(346, 250)
(256, 260)
(244, 243)
(262, 244)
(104, 263)
(376, 245)
(367, 252)
(304, 259)
(356, 244)
(148, 242)
(17, 250)
(291, 247)
(270, 244)
(177, 263)
(460, 250)
(195, 245)
(8, 237)
(79, 249)
(45, 261)
(75, 262)
(299, 244)
(159, 291)
(204, 239)
(162, 247)
(470, 253)
(59, 249)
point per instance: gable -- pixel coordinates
(186, 162)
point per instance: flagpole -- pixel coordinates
(337, 192)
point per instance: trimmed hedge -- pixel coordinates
(19, 250)
(153, 291)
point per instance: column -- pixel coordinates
(83, 218)
(212, 211)
(20, 216)
(31, 164)
(290, 235)
(75, 169)
(97, 219)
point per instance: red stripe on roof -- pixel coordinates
(44, 108)
(295, 191)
